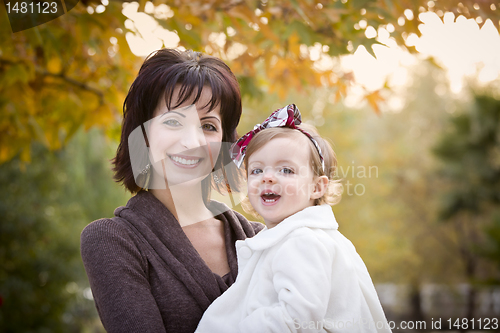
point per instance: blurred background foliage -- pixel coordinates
(421, 183)
(45, 204)
(81, 61)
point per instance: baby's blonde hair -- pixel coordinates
(334, 189)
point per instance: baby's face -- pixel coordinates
(280, 179)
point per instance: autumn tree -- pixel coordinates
(74, 71)
(470, 156)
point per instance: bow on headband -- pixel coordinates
(289, 116)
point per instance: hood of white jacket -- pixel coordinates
(320, 217)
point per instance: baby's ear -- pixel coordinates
(320, 187)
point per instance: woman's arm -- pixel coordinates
(301, 271)
(117, 273)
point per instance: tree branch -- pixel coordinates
(74, 82)
(61, 76)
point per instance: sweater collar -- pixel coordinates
(316, 217)
(161, 219)
(164, 235)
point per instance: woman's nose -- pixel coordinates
(193, 137)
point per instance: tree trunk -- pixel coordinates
(416, 312)
(470, 268)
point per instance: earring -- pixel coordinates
(218, 179)
(144, 175)
(218, 176)
(146, 169)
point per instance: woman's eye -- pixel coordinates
(209, 127)
(172, 122)
(255, 171)
(287, 170)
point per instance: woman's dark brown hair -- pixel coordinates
(157, 78)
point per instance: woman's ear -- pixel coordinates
(320, 187)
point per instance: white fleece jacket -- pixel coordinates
(301, 276)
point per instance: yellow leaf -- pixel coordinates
(293, 44)
(268, 33)
(243, 12)
(374, 99)
(26, 154)
(6, 153)
(54, 65)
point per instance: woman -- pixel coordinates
(159, 263)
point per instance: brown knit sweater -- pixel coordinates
(144, 272)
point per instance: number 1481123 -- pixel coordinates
(32, 8)
(481, 323)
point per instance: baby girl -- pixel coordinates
(300, 274)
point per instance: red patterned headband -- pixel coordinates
(288, 116)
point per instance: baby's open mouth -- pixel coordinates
(270, 197)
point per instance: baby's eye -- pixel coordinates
(255, 171)
(287, 171)
(172, 123)
(209, 127)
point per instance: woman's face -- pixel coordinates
(184, 142)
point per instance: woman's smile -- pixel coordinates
(185, 161)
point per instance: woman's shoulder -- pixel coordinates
(103, 228)
(109, 241)
(108, 234)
